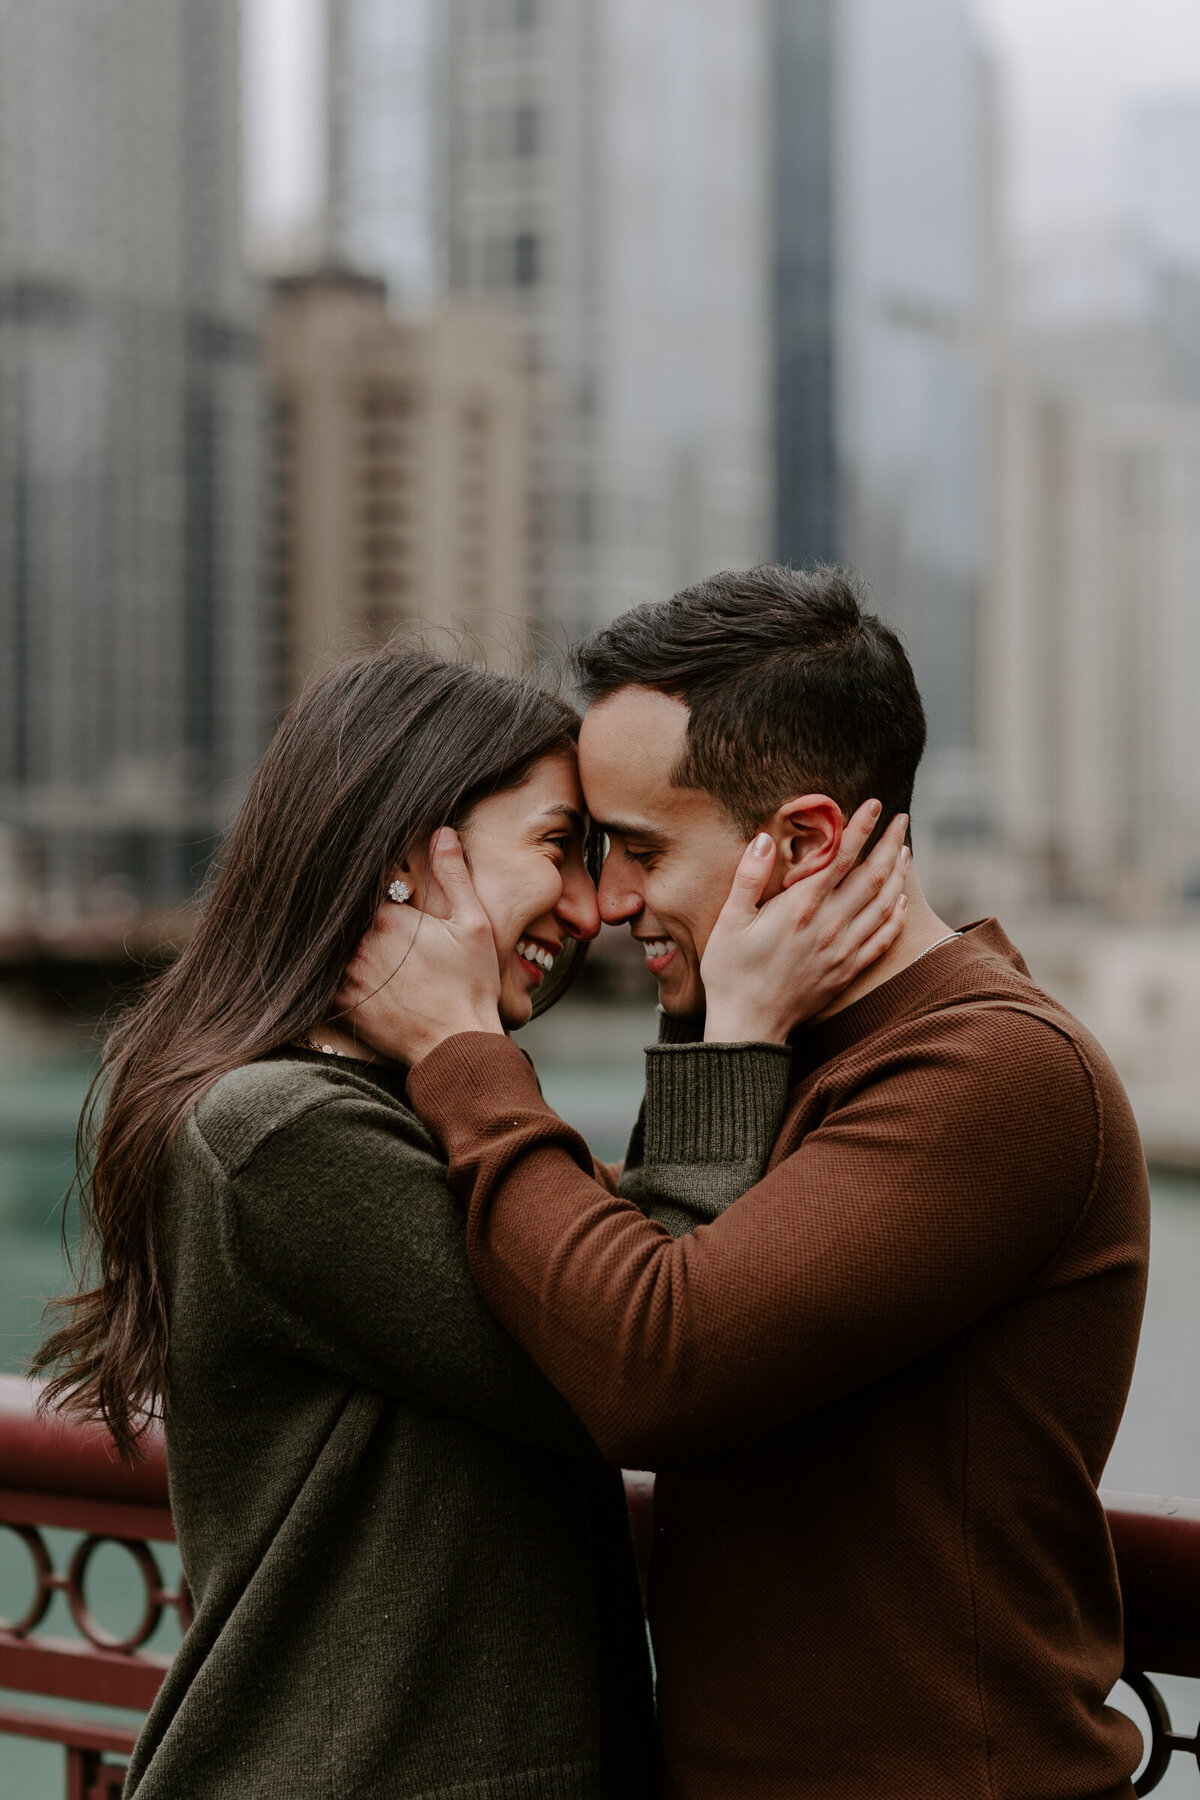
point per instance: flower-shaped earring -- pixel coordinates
(399, 891)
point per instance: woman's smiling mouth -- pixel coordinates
(537, 958)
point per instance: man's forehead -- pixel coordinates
(654, 719)
(629, 745)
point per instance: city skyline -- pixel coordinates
(136, 678)
(1069, 69)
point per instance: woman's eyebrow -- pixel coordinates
(571, 813)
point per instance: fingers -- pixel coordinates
(378, 955)
(882, 939)
(861, 885)
(878, 907)
(857, 831)
(751, 876)
(451, 892)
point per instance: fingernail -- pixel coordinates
(763, 844)
(876, 808)
(445, 837)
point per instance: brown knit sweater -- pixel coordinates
(881, 1387)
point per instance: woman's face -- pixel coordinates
(525, 851)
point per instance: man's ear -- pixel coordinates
(807, 833)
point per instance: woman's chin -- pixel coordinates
(515, 1010)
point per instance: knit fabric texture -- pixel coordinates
(411, 1568)
(879, 1389)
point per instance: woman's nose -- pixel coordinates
(578, 909)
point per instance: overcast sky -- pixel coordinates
(1069, 70)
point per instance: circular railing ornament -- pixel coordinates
(1164, 1740)
(45, 1580)
(154, 1594)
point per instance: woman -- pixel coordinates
(411, 1570)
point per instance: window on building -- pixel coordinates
(526, 134)
(526, 259)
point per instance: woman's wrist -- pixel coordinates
(728, 1025)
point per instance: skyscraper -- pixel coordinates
(132, 635)
(601, 168)
(884, 278)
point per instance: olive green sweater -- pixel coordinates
(411, 1568)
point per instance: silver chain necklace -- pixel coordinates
(942, 940)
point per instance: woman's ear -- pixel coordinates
(413, 872)
(807, 833)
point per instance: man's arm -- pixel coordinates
(897, 1221)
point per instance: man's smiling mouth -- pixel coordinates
(659, 952)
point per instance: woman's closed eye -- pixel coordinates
(563, 841)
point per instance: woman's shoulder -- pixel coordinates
(260, 1100)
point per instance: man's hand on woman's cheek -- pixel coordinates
(418, 978)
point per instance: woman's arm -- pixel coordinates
(728, 1099)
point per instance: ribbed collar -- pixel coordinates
(389, 1076)
(962, 966)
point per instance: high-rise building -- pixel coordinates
(1163, 224)
(884, 279)
(131, 615)
(1093, 630)
(384, 187)
(601, 168)
(403, 463)
(1094, 637)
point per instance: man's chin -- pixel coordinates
(680, 999)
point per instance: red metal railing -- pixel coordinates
(57, 1474)
(68, 1475)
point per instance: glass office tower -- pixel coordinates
(133, 642)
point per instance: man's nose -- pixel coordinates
(619, 900)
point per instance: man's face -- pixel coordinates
(672, 851)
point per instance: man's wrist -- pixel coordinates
(446, 1029)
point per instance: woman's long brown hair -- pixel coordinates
(365, 767)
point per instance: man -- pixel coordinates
(879, 1388)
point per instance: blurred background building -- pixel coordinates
(135, 655)
(887, 256)
(402, 458)
(602, 172)
(580, 300)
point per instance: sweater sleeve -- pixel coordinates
(925, 1196)
(356, 1251)
(710, 1117)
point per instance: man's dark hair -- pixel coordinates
(793, 688)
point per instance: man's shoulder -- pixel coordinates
(977, 1024)
(991, 994)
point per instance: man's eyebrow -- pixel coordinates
(629, 828)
